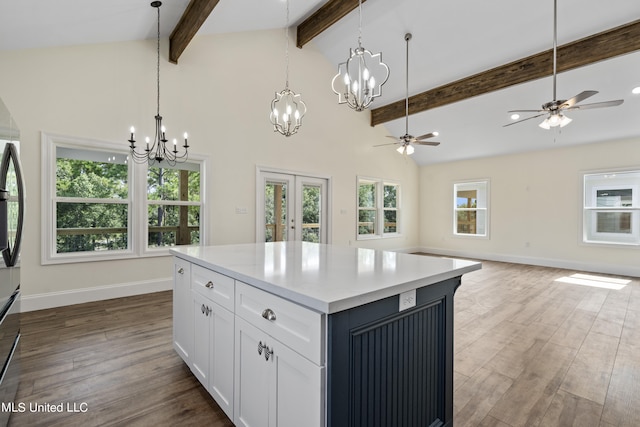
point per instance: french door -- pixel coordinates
(291, 207)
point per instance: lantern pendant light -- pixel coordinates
(360, 78)
(287, 108)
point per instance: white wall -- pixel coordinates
(535, 207)
(220, 93)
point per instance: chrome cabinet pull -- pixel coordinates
(181, 270)
(209, 285)
(269, 314)
(209, 310)
(202, 308)
(267, 351)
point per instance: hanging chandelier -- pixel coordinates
(287, 108)
(158, 151)
(356, 84)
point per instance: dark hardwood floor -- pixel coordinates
(113, 359)
(530, 350)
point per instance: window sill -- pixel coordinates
(379, 236)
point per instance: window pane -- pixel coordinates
(613, 222)
(390, 196)
(171, 225)
(275, 211)
(390, 224)
(367, 195)
(83, 227)
(174, 183)
(366, 222)
(614, 198)
(467, 222)
(467, 199)
(311, 213)
(91, 174)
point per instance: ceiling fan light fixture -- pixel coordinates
(555, 120)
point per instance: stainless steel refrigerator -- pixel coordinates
(11, 221)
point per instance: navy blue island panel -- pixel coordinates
(391, 368)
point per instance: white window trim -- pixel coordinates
(487, 210)
(138, 227)
(379, 208)
(584, 209)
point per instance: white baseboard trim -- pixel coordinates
(98, 293)
(630, 271)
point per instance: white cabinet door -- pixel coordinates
(298, 388)
(221, 360)
(251, 377)
(201, 342)
(212, 360)
(281, 390)
(182, 317)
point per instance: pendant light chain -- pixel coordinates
(360, 23)
(158, 63)
(286, 31)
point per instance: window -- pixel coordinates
(173, 205)
(91, 202)
(471, 208)
(92, 211)
(378, 208)
(611, 211)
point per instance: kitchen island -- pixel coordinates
(293, 333)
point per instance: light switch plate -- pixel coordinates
(407, 300)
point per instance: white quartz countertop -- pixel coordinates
(326, 278)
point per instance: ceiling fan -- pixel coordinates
(406, 141)
(554, 109)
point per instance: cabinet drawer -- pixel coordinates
(294, 325)
(215, 286)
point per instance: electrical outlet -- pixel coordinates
(407, 300)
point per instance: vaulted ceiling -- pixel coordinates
(470, 62)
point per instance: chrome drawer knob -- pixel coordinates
(209, 285)
(269, 314)
(181, 270)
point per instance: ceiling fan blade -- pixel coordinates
(524, 120)
(432, 143)
(597, 105)
(426, 135)
(526, 111)
(391, 143)
(578, 98)
(393, 137)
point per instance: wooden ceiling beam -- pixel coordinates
(330, 13)
(192, 19)
(598, 47)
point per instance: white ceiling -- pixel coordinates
(452, 39)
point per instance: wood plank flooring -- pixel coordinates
(532, 349)
(116, 357)
(529, 351)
